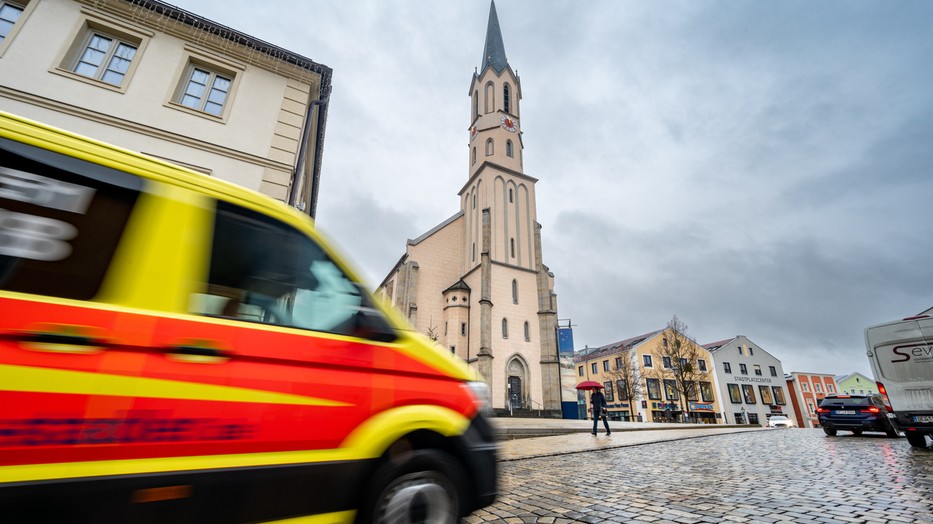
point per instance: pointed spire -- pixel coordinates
(494, 52)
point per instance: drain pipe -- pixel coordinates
(303, 154)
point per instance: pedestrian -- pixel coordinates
(598, 400)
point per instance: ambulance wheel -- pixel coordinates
(420, 486)
(917, 440)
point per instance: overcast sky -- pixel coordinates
(755, 168)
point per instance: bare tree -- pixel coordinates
(680, 355)
(626, 378)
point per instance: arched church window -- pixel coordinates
(475, 104)
(508, 148)
(474, 154)
(474, 200)
(505, 328)
(512, 244)
(527, 332)
(514, 291)
(511, 199)
(474, 251)
(490, 97)
(489, 147)
(506, 97)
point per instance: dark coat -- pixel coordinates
(599, 402)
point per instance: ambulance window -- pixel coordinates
(61, 220)
(265, 271)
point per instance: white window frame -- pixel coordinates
(119, 32)
(27, 6)
(216, 66)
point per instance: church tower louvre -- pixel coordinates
(476, 281)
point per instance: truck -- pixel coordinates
(901, 356)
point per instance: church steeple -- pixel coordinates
(494, 52)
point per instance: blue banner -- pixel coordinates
(565, 340)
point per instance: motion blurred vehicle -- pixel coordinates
(855, 413)
(779, 421)
(901, 356)
(174, 348)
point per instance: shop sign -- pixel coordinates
(701, 406)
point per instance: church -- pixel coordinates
(476, 282)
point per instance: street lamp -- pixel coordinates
(744, 420)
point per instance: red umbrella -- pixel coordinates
(589, 384)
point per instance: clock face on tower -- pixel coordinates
(509, 124)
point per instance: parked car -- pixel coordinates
(779, 421)
(855, 413)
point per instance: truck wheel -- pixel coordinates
(420, 486)
(917, 440)
(828, 431)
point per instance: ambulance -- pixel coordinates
(174, 349)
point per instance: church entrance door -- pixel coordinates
(515, 392)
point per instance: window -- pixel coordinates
(474, 251)
(735, 396)
(727, 367)
(608, 387)
(9, 14)
(817, 387)
(751, 352)
(773, 371)
(749, 393)
(664, 342)
(684, 365)
(47, 201)
(593, 367)
(692, 391)
(701, 365)
(514, 291)
(508, 149)
(765, 393)
(506, 98)
(605, 365)
(512, 247)
(490, 105)
(505, 328)
(666, 362)
(623, 389)
(474, 194)
(757, 369)
(741, 351)
(105, 58)
(706, 392)
(474, 162)
(262, 270)
(743, 369)
(647, 360)
(804, 387)
(490, 147)
(453, 349)
(475, 104)
(511, 197)
(670, 390)
(527, 332)
(654, 388)
(810, 406)
(580, 371)
(618, 362)
(830, 388)
(463, 329)
(778, 395)
(205, 90)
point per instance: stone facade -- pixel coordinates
(489, 254)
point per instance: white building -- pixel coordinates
(750, 382)
(151, 77)
(476, 281)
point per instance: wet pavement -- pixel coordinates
(711, 474)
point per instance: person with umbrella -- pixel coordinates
(598, 401)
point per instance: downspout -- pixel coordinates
(298, 175)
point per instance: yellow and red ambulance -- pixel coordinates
(174, 348)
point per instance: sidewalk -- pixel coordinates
(539, 437)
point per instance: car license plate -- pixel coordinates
(924, 419)
(845, 412)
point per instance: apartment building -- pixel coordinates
(807, 390)
(150, 77)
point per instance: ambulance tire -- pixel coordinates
(421, 486)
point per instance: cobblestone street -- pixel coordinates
(795, 475)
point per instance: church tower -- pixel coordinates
(476, 282)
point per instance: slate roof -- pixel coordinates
(494, 52)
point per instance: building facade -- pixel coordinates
(750, 382)
(150, 77)
(660, 396)
(807, 390)
(476, 282)
(856, 384)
